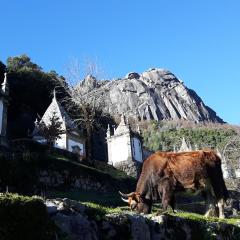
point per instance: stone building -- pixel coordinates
(124, 148)
(72, 139)
(4, 91)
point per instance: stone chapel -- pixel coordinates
(72, 139)
(123, 145)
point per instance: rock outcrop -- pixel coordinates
(155, 94)
(77, 221)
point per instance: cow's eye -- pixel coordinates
(133, 206)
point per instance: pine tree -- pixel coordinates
(52, 130)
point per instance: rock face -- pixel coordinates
(155, 94)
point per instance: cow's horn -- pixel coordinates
(127, 195)
(125, 200)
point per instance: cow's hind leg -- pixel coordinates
(172, 202)
(220, 205)
(209, 203)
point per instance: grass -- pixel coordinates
(113, 172)
(107, 203)
(98, 211)
(99, 168)
(105, 199)
(202, 218)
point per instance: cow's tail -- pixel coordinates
(222, 182)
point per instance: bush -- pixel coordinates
(165, 138)
(24, 218)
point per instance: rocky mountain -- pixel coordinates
(155, 94)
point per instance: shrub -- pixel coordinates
(24, 218)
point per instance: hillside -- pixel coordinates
(168, 135)
(31, 168)
(156, 94)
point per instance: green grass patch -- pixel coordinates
(105, 199)
(98, 168)
(202, 218)
(21, 171)
(98, 211)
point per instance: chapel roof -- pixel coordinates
(56, 108)
(123, 126)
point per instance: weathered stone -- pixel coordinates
(52, 207)
(77, 226)
(155, 94)
(58, 179)
(133, 75)
(139, 228)
(131, 168)
(73, 220)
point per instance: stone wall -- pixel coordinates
(79, 222)
(63, 179)
(131, 168)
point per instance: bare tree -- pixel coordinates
(77, 70)
(81, 104)
(231, 154)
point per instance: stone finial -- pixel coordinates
(123, 118)
(54, 94)
(124, 121)
(5, 87)
(138, 129)
(36, 122)
(108, 131)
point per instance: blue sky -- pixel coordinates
(199, 41)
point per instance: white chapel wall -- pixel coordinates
(61, 142)
(72, 143)
(1, 116)
(119, 148)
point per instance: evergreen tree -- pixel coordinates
(51, 131)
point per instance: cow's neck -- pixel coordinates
(143, 183)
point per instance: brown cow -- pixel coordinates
(165, 173)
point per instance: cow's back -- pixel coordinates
(193, 169)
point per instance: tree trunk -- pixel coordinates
(89, 144)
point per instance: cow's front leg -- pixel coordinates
(166, 190)
(164, 201)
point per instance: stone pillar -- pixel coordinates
(129, 144)
(109, 143)
(4, 91)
